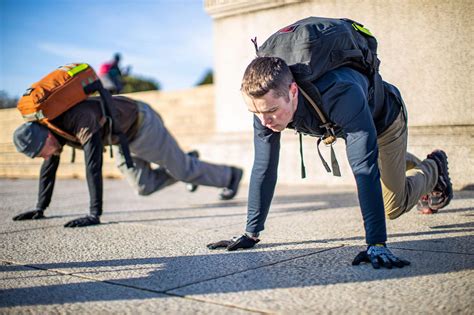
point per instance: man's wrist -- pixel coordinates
(252, 235)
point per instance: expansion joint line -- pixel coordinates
(168, 291)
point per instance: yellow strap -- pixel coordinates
(361, 29)
(77, 69)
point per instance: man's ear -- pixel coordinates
(52, 137)
(294, 89)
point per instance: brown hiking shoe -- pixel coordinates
(443, 191)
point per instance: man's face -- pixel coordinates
(274, 113)
(51, 147)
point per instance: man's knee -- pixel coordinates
(394, 212)
(143, 191)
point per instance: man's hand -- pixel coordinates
(242, 242)
(379, 255)
(85, 221)
(30, 215)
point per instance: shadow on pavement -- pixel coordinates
(226, 272)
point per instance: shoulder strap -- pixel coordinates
(313, 103)
(110, 109)
(330, 136)
(59, 131)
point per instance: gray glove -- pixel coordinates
(379, 255)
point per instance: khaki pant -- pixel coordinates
(404, 177)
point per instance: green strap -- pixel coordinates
(303, 168)
(361, 29)
(326, 166)
(73, 155)
(335, 165)
(77, 69)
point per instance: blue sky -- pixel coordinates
(169, 41)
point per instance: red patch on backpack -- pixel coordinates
(288, 29)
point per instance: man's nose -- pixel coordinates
(265, 119)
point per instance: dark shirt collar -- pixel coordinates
(300, 113)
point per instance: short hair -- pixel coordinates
(264, 74)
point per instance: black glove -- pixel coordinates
(379, 255)
(85, 221)
(242, 242)
(30, 215)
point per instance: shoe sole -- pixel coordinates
(424, 208)
(427, 210)
(239, 178)
(449, 187)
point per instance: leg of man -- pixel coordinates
(155, 144)
(411, 161)
(402, 188)
(142, 177)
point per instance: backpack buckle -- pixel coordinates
(329, 137)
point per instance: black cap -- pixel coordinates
(30, 138)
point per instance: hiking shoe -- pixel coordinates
(423, 205)
(443, 191)
(230, 191)
(189, 186)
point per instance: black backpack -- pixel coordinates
(314, 46)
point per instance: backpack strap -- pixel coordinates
(303, 168)
(329, 138)
(59, 131)
(111, 115)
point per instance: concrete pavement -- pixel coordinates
(149, 256)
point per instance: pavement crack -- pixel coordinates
(31, 229)
(254, 268)
(162, 292)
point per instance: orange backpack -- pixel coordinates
(56, 93)
(62, 89)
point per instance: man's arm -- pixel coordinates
(264, 176)
(93, 161)
(348, 107)
(45, 190)
(262, 186)
(93, 158)
(46, 181)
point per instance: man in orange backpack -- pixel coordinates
(149, 142)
